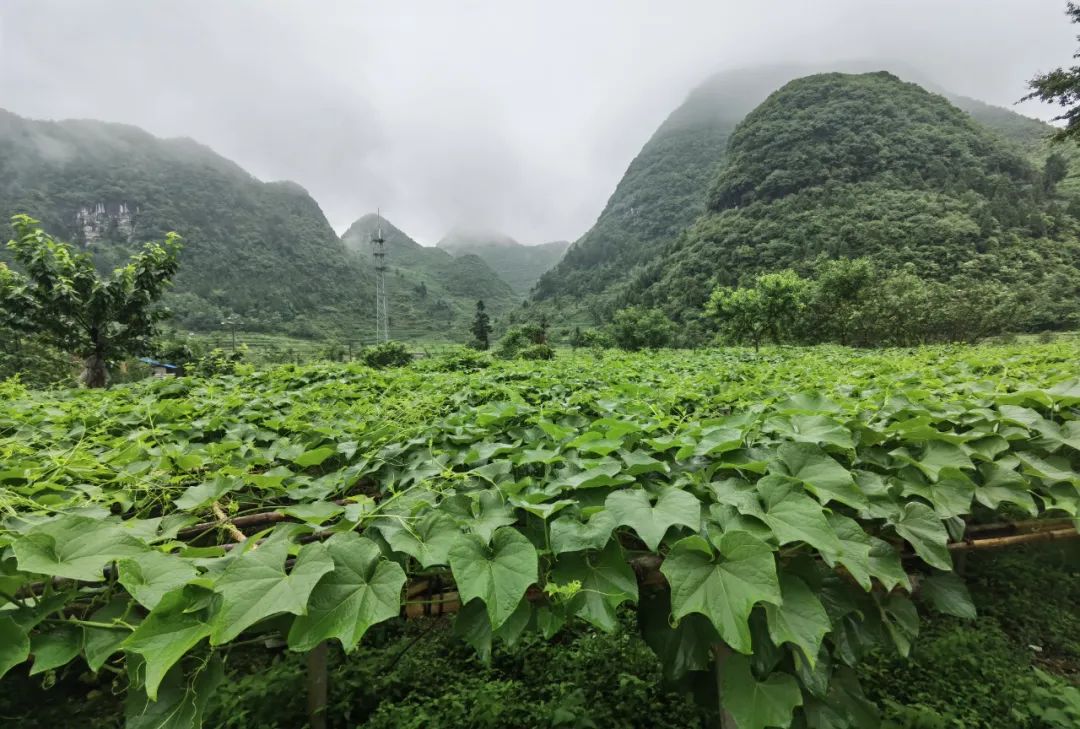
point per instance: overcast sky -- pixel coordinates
(517, 115)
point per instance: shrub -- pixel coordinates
(387, 354)
(458, 359)
(536, 352)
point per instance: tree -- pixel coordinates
(769, 308)
(1062, 87)
(636, 327)
(62, 297)
(481, 327)
(1055, 171)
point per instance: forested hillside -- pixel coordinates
(869, 166)
(429, 289)
(665, 188)
(519, 265)
(261, 251)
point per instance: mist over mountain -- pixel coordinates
(261, 251)
(519, 265)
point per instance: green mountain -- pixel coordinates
(665, 188)
(260, 251)
(839, 165)
(429, 290)
(519, 265)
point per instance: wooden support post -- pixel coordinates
(721, 651)
(317, 681)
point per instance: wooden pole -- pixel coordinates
(720, 652)
(317, 681)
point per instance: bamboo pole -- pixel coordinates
(720, 652)
(317, 685)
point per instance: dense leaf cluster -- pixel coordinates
(783, 497)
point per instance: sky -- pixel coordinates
(513, 115)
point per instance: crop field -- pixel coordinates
(773, 517)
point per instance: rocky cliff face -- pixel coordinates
(106, 221)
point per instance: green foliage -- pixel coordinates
(387, 354)
(929, 188)
(770, 308)
(520, 338)
(755, 483)
(1061, 87)
(62, 299)
(215, 362)
(261, 251)
(481, 328)
(456, 359)
(635, 328)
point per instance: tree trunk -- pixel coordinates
(720, 653)
(94, 373)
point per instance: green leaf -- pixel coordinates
(101, 643)
(948, 594)
(800, 619)
(14, 644)
(820, 473)
(923, 530)
(498, 574)
(757, 704)
(795, 517)
(149, 576)
(639, 462)
(570, 535)
(1004, 486)
(427, 540)
(935, 456)
(816, 429)
(606, 582)
(681, 648)
(473, 626)
(181, 700)
(950, 495)
(314, 457)
(675, 506)
(901, 620)
(363, 589)
(315, 513)
(167, 633)
(76, 547)
(201, 495)
(55, 648)
(255, 586)
(854, 551)
(725, 587)
(489, 513)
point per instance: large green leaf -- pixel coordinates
(570, 535)
(54, 648)
(489, 512)
(14, 644)
(606, 582)
(149, 576)
(499, 573)
(651, 522)
(256, 586)
(76, 547)
(363, 589)
(800, 619)
(794, 516)
(950, 495)
(181, 699)
(948, 594)
(723, 587)
(820, 473)
(818, 429)
(923, 530)
(683, 647)
(101, 643)
(427, 540)
(169, 631)
(757, 704)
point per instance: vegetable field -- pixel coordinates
(773, 516)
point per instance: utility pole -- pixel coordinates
(382, 314)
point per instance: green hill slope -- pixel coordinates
(665, 187)
(868, 165)
(519, 265)
(262, 251)
(430, 291)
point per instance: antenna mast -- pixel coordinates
(382, 313)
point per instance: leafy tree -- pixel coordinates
(636, 327)
(1055, 171)
(1062, 87)
(481, 327)
(769, 308)
(62, 297)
